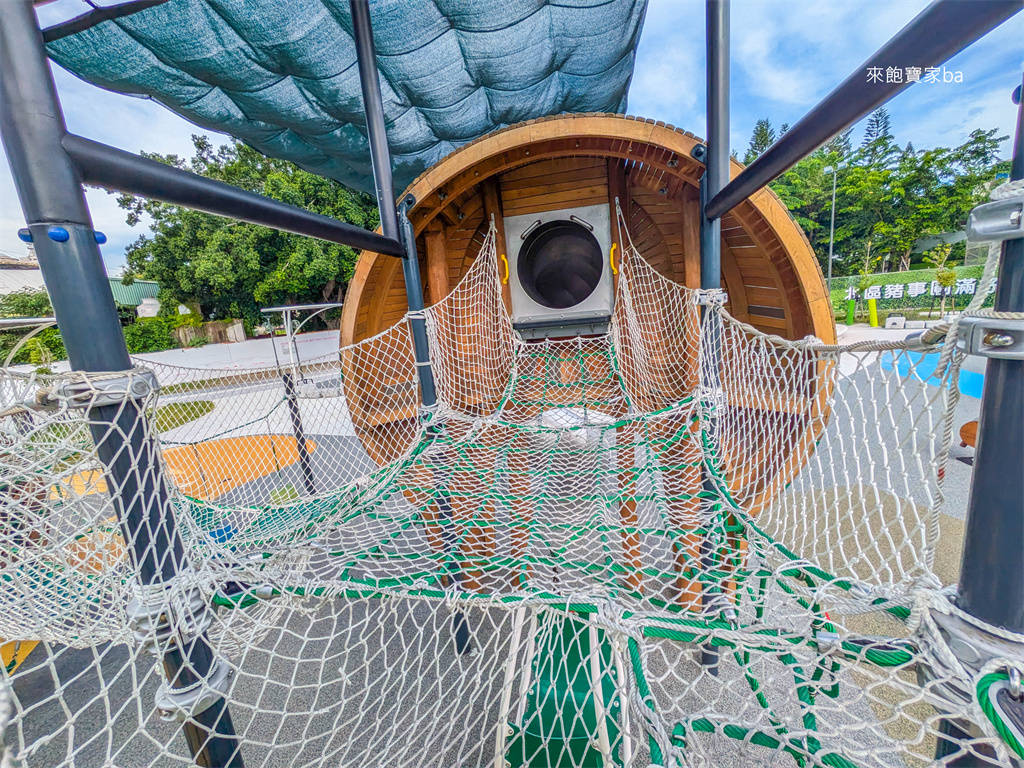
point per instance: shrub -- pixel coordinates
(42, 348)
(149, 334)
(191, 320)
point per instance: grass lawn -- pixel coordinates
(173, 415)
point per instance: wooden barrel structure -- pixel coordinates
(769, 270)
(601, 163)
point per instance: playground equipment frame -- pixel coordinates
(50, 166)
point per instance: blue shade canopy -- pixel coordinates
(281, 75)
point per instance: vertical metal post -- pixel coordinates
(300, 434)
(50, 190)
(414, 294)
(991, 584)
(717, 175)
(992, 573)
(715, 179)
(832, 230)
(288, 378)
(395, 223)
(380, 156)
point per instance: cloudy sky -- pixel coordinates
(787, 55)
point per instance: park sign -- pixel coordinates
(966, 286)
(913, 289)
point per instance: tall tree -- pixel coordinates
(934, 190)
(878, 147)
(840, 145)
(762, 137)
(232, 268)
(887, 198)
(879, 125)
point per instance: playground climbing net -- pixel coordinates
(681, 543)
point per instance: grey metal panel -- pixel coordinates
(599, 304)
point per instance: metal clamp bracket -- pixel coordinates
(84, 391)
(973, 645)
(991, 337)
(167, 619)
(996, 221)
(136, 384)
(179, 704)
(151, 624)
(828, 643)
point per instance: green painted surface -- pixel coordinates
(561, 718)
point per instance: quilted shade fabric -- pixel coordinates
(281, 75)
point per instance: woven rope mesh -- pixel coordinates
(282, 76)
(670, 545)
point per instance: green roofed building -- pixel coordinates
(132, 295)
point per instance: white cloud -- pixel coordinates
(668, 75)
(789, 54)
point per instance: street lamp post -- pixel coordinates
(834, 170)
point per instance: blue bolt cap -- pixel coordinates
(100, 237)
(58, 234)
(25, 235)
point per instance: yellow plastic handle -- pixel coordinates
(504, 280)
(611, 259)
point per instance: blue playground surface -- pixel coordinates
(971, 382)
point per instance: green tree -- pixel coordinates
(933, 191)
(938, 257)
(887, 198)
(807, 191)
(762, 138)
(841, 145)
(878, 147)
(231, 268)
(879, 125)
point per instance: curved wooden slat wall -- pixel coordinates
(769, 270)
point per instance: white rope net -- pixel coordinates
(682, 543)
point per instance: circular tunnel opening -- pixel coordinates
(560, 264)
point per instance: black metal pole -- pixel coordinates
(373, 107)
(991, 584)
(50, 190)
(300, 434)
(992, 575)
(715, 178)
(380, 155)
(414, 292)
(96, 16)
(121, 171)
(717, 162)
(938, 33)
(395, 224)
